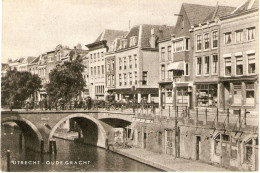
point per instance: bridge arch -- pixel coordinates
(87, 124)
(29, 130)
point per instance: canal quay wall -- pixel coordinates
(229, 144)
(233, 146)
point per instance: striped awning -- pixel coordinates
(176, 66)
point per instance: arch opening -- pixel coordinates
(93, 132)
(32, 136)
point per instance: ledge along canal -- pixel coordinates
(70, 157)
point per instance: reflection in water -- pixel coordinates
(70, 157)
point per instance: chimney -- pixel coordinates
(152, 39)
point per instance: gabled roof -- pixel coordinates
(30, 59)
(197, 13)
(36, 60)
(219, 12)
(110, 35)
(247, 5)
(160, 31)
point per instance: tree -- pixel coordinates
(18, 86)
(66, 81)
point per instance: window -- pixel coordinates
(214, 39)
(98, 56)
(163, 72)
(130, 62)
(94, 57)
(206, 68)
(98, 70)
(179, 45)
(133, 41)
(186, 69)
(169, 52)
(145, 78)
(102, 69)
(90, 57)
(135, 77)
(206, 41)
(120, 80)
(217, 145)
(239, 65)
(187, 43)
(112, 65)
(215, 64)
(130, 78)
(163, 54)
(239, 36)
(199, 66)
(113, 80)
(91, 71)
(250, 145)
(251, 63)
(251, 33)
(227, 38)
(135, 57)
(95, 72)
(125, 79)
(102, 54)
(124, 62)
(108, 65)
(228, 67)
(169, 141)
(250, 93)
(159, 138)
(198, 42)
(108, 80)
(234, 148)
(120, 63)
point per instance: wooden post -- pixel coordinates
(197, 115)
(42, 146)
(8, 159)
(50, 147)
(228, 115)
(20, 141)
(217, 116)
(54, 147)
(239, 116)
(177, 111)
(169, 111)
(106, 144)
(206, 114)
(186, 111)
(79, 134)
(245, 117)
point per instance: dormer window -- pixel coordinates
(181, 44)
(123, 43)
(133, 41)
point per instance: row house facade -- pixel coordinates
(206, 59)
(176, 82)
(133, 63)
(239, 57)
(96, 55)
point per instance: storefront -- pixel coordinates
(166, 95)
(207, 95)
(239, 93)
(183, 96)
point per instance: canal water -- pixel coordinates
(70, 157)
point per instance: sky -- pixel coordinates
(33, 27)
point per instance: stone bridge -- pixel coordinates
(38, 127)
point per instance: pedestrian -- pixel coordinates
(134, 104)
(152, 106)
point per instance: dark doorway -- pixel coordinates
(198, 143)
(144, 140)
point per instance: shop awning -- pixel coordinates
(176, 66)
